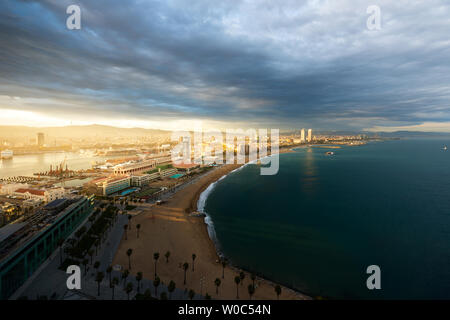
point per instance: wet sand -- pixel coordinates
(168, 227)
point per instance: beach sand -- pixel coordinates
(169, 228)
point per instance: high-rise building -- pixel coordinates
(309, 135)
(302, 136)
(40, 139)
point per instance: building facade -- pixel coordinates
(21, 263)
(134, 167)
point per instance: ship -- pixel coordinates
(329, 153)
(444, 148)
(6, 154)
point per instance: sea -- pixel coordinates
(318, 224)
(27, 165)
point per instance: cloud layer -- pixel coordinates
(267, 63)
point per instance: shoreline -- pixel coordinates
(215, 241)
(168, 227)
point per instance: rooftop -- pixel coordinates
(31, 191)
(10, 229)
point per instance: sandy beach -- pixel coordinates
(169, 227)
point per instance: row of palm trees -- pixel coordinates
(238, 279)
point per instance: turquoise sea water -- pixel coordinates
(322, 220)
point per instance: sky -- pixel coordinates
(225, 64)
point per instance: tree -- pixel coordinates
(139, 277)
(128, 289)
(129, 220)
(125, 227)
(253, 277)
(96, 244)
(138, 226)
(60, 244)
(108, 271)
(167, 255)
(97, 265)
(278, 291)
(129, 253)
(85, 262)
(217, 283)
(191, 294)
(171, 288)
(237, 279)
(251, 290)
(224, 264)
(125, 274)
(242, 276)
(156, 283)
(155, 257)
(193, 260)
(91, 254)
(163, 296)
(207, 296)
(185, 267)
(114, 283)
(99, 279)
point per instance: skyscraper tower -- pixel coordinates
(40, 139)
(302, 136)
(309, 135)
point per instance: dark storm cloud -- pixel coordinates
(290, 62)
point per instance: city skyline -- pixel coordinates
(284, 65)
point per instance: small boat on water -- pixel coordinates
(329, 153)
(7, 154)
(444, 148)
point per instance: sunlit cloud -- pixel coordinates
(285, 64)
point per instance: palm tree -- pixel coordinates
(96, 244)
(167, 255)
(191, 294)
(156, 283)
(125, 274)
(237, 279)
(253, 277)
(91, 254)
(129, 220)
(128, 289)
(85, 262)
(217, 283)
(125, 227)
(224, 264)
(114, 283)
(185, 267)
(139, 277)
(242, 276)
(99, 279)
(108, 271)
(60, 244)
(163, 296)
(171, 288)
(278, 291)
(97, 265)
(155, 257)
(129, 253)
(207, 296)
(193, 260)
(138, 226)
(251, 290)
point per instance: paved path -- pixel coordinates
(51, 281)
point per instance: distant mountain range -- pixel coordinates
(88, 131)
